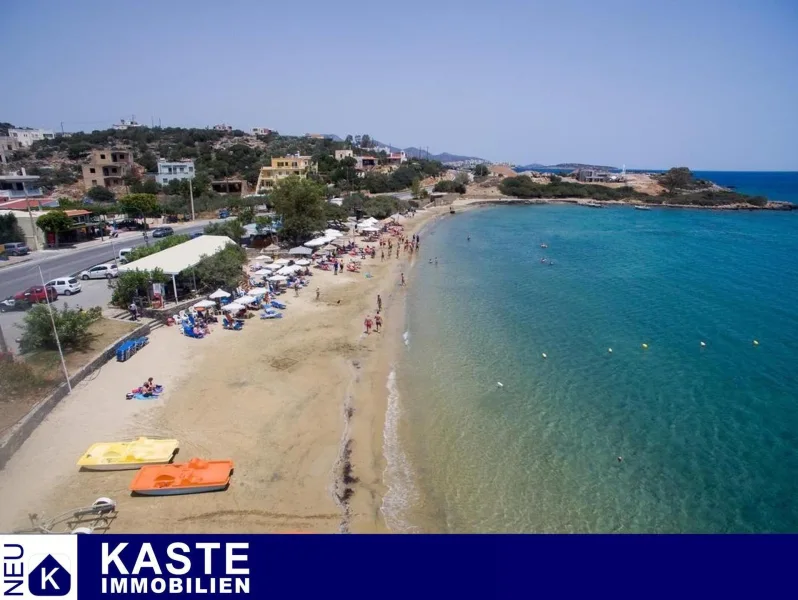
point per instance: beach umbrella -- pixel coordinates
(282, 262)
(369, 229)
(257, 293)
(246, 299)
(220, 293)
(204, 304)
(332, 233)
(262, 257)
(263, 272)
(289, 270)
(303, 263)
(328, 247)
(301, 250)
(278, 279)
(339, 242)
(272, 248)
(233, 307)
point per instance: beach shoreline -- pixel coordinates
(297, 403)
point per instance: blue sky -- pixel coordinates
(706, 84)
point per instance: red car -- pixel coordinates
(37, 293)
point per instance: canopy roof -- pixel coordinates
(181, 257)
(220, 293)
(301, 250)
(315, 243)
(272, 248)
(204, 304)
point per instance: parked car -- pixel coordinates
(65, 286)
(224, 213)
(160, 232)
(107, 271)
(16, 249)
(123, 253)
(11, 303)
(37, 293)
(196, 234)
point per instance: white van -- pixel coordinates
(122, 258)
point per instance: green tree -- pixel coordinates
(481, 171)
(137, 205)
(145, 186)
(335, 213)
(10, 231)
(222, 270)
(135, 284)
(232, 228)
(348, 141)
(365, 141)
(72, 326)
(149, 161)
(462, 179)
(676, 178)
(416, 188)
(263, 223)
(449, 187)
(100, 194)
(55, 222)
(300, 203)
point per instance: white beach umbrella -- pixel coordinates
(246, 299)
(263, 272)
(317, 242)
(282, 262)
(369, 229)
(332, 233)
(220, 293)
(204, 304)
(278, 279)
(233, 307)
(303, 263)
(257, 293)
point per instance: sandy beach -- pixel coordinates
(297, 403)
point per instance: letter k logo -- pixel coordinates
(49, 578)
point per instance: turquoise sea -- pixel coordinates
(708, 435)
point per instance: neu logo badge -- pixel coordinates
(49, 578)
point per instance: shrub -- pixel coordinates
(132, 284)
(72, 326)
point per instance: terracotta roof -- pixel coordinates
(77, 212)
(22, 204)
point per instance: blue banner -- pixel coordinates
(352, 566)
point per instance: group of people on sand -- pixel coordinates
(409, 245)
(375, 323)
(148, 387)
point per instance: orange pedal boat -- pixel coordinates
(192, 477)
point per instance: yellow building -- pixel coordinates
(282, 167)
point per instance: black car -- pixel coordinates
(160, 232)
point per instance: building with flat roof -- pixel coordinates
(342, 154)
(282, 167)
(107, 168)
(8, 145)
(19, 186)
(170, 170)
(27, 135)
(261, 131)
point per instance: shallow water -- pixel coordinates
(708, 435)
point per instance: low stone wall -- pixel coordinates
(162, 314)
(21, 430)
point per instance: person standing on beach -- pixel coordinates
(379, 303)
(382, 255)
(318, 293)
(335, 267)
(368, 324)
(403, 279)
(296, 289)
(377, 323)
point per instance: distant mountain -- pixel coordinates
(532, 167)
(414, 152)
(582, 166)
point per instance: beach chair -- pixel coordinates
(270, 313)
(277, 304)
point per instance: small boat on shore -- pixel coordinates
(641, 207)
(193, 477)
(593, 205)
(132, 454)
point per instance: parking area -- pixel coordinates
(94, 292)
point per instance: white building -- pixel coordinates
(261, 131)
(342, 154)
(170, 170)
(122, 125)
(27, 136)
(223, 127)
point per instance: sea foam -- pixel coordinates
(398, 476)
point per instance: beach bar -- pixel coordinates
(176, 259)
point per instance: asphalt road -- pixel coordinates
(62, 263)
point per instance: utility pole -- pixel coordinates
(3, 345)
(55, 331)
(30, 214)
(62, 128)
(191, 194)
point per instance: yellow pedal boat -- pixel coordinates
(133, 454)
